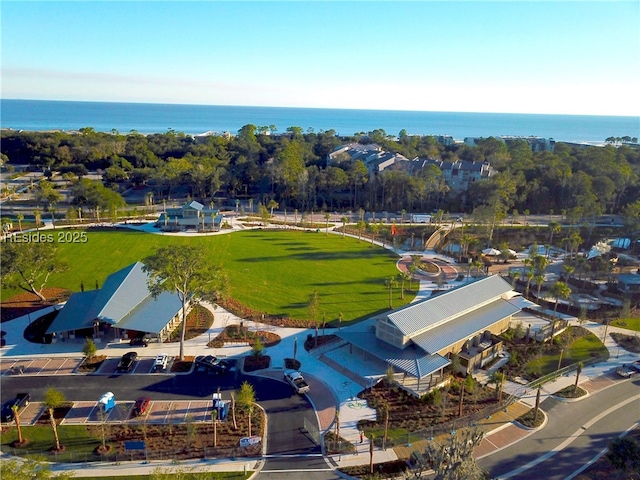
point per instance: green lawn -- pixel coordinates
(628, 323)
(79, 446)
(78, 441)
(581, 350)
(274, 272)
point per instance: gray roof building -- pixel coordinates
(418, 339)
(124, 302)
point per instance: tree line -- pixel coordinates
(292, 169)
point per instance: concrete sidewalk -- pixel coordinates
(331, 390)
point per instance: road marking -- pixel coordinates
(599, 454)
(568, 441)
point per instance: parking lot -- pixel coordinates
(69, 366)
(39, 366)
(159, 412)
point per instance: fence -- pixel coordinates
(559, 373)
(445, 427)
(174, 455)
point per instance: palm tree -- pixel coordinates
(361, 226)
(539, 279)
(529, 276)
(559, 290)
(37, 216)
(53, 399)
(554, 227)
(344, 221)
(412, 271)
(271, 205)
(578, 372)
(327, 217)
(403, 277)
(515, 275)
(375, 228)
(567, 270)
(390, 282)
(464, 244)
(52, 211)
(20, 217)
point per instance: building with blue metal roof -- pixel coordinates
(122, 308)
(419, 340)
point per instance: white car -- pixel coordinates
(162, 359)
(297, 381)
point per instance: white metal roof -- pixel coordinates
(464, 326)
(432, 311)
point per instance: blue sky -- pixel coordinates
(510, 56)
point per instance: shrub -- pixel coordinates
(258, 349)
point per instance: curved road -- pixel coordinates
(286, 412)
(574, 434)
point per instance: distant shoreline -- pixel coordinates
(145, 118)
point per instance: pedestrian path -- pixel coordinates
(332, 391)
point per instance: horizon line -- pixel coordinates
(140, 102)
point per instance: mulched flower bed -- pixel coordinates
(414, 414)
(394, 469)
(93, 365)
(239, 333)
(630, 343)
(291, 364)
(570, 392)
(311, 343)
(242, 311)
(251, 363)
(27, 302)
(182, 366)
(527, 419)
(199, 320)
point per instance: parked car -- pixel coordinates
(627, 370)
(297, 381)
(213, 364)
(139, 342)
(162, 359)
(141, 406)
(21, 401)
(127, 361)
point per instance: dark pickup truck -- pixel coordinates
(127, 361)
(21, 401)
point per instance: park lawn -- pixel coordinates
(271, 271)
(582, 349)
(630, 323)
(78, 441)
(277, 272)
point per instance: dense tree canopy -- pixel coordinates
(292, 169)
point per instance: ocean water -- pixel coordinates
(194, 119)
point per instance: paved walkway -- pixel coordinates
(330, 389)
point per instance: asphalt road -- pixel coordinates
(578, 430)
(286, 412)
